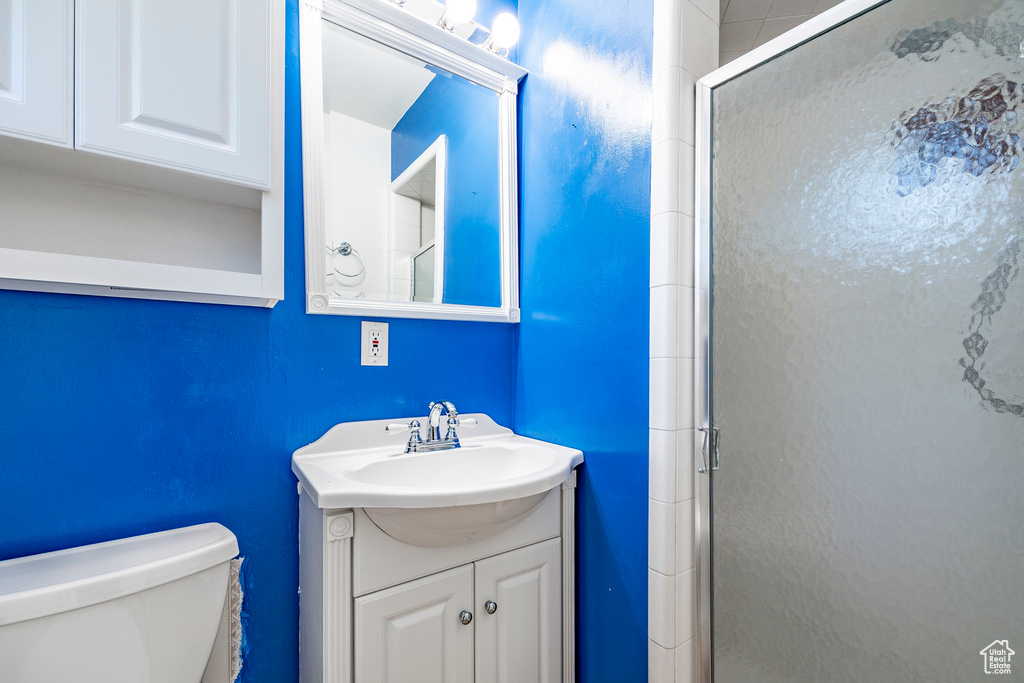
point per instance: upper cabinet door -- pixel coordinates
(519, 608)
(36, 69)
(178, 83)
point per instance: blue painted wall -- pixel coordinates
(122, 417)
(468, 115)
(581, 376)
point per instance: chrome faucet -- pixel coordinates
(434, 422)
(433, 442)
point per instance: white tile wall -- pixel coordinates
(661, 527)
(691, 38)
(666, 101)
(665, 160)
(684, 391)
(428, 219)
(686, 620)
(660, 662)
(747, 24)
(405, 238)
(661, 616)
(686, 660)
(663, 412)
(708, 7)
(699, 41)
(684, 535)
(686, 47)
(687, 106)
(665, 262)
(664, 320)
(686, 189)
(407, 211)
(664, 479)
(684, 475)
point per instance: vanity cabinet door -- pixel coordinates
(36, 69)
(521, 640)
(413, 633)
(183, 84)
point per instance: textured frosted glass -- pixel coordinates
(868, 351)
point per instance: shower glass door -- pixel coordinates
(867, 351)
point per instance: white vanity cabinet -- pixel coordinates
(182, 84)
(496, 609)
(520, 639)
(413, 632)
(37, 70)
(498, 619)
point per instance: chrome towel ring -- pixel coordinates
(346, 249)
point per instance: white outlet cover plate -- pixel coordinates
(367, 357)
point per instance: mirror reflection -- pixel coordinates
(412, 202)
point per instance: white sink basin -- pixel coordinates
(357, 464)
(434, 498)
(471, 465)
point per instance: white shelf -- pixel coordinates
(50, 272)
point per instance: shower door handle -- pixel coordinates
(715, 458)
(710, 434)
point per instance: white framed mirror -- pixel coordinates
(410, 170)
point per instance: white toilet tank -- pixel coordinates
(137, 610)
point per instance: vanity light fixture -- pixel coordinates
(457, 12)
(505, 33)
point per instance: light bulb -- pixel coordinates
(458, 12)
(505, 33)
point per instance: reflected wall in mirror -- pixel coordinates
(415, 214)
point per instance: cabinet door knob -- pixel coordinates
(465, 617)
(491, 606)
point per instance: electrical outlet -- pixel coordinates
(374, 346)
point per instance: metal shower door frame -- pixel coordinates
(809, 30)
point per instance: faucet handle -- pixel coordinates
(402, 428)
(414, 434)
(453, 422)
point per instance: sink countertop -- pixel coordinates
(358, 464)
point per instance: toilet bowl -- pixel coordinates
(137, 610)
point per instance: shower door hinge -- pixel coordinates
(710, 434)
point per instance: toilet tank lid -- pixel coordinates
(40, 585)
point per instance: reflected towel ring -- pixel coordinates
(350, 279)
(346, 249)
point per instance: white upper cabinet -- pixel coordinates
(183, 84)
(162, 176)
(36, 69)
